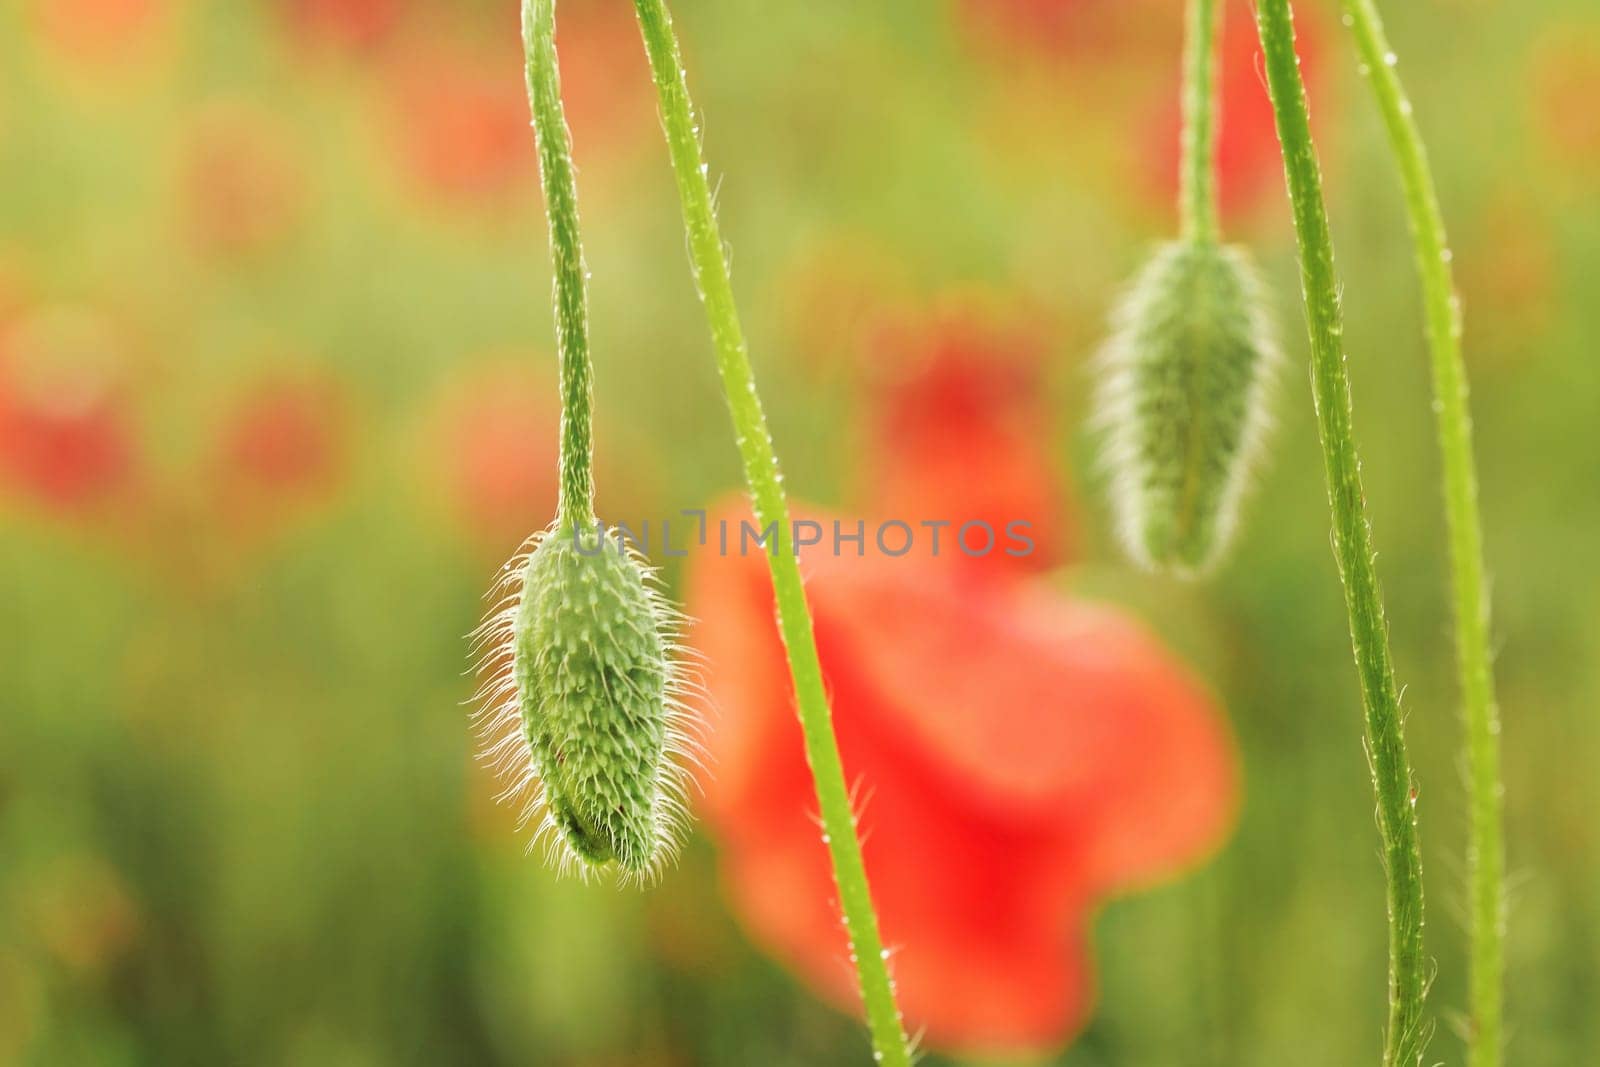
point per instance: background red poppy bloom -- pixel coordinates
(1019, 756)
(956, 430)
(241, 186)
(1055, 27)
(459, 112)
(344, 24)
(458, 100)
(496, 436)
(283, 446)
(66, 437)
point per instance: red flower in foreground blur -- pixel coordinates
(1020, 755)
(65, 437)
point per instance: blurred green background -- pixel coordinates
(276, 390)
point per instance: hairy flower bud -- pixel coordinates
(1183, 402)
(580, 711)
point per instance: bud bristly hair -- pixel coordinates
(581, 711)
(1184, 401)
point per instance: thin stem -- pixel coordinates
(1453, 418)
(576, 506)
(772, 511)
(1198, 195)
(1385, 737)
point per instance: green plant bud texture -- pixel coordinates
(582, 714)
(1183, 407)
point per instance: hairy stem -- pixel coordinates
(1453, 419)
(1385, 736)
(576, 506)
(1198, 194)
(772, 511)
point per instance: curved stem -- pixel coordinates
(1352, 538)
(1198, 192)
(576, 506)
(772, 511)
(1453, 417)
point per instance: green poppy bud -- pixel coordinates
(581, 712)
(1183, 402)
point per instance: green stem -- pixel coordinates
(772, 511)
(576, 506)
(1198, 195)
(1486, 853)
(1385, 736)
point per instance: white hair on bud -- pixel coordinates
(584, 680)
(1183, 406)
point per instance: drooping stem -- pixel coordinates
(1453, 421)
(576, 506)
(1352, 538)
(772, 511)
(1198, 181)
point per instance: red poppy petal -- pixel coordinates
(1035, 705)
(958, 433)
(1035, 702)
(751, 714)
(972, 968)
(1017, 755)
(1171, 791)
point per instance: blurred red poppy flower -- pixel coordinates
(956, 430)
(241, 187)
(1051, 26)
(493, 443)
(346, 25)
(1020, 755)
(460, 111)
(1249, 166)
(282, 447)
(66, 438)
(1147, 34)
(100, 31)
(605, 78)
(460, 105)
(497, 435)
